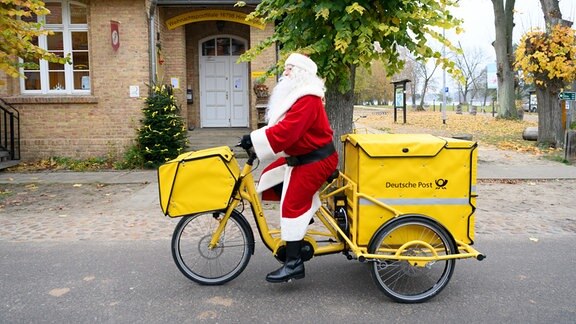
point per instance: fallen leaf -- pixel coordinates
(59, 292)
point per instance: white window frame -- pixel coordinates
(66, 28)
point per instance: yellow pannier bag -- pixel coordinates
(414, 174)
(197, 181)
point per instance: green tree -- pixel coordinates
(162, 135)
(342, 35)
(19, 31)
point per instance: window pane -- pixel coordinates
(223, 47)
(208, 48)
(55, 16)
(32, 81)
(80, 60)
(78, 14)
(56, 66)
(238, 47)
(81, 80)
(57, 80)
(55, 42)
(79, 40)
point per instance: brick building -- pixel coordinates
(92, 107)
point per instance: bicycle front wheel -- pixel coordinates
(212, 266)
(408, 281)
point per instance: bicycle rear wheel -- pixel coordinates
(405, 281)
(220, 264)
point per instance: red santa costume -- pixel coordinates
(297, 127)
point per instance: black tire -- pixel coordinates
(405, 282)
(212, 266)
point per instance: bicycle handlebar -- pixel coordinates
(251, 154)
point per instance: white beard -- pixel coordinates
(283, 89)
(288, 90)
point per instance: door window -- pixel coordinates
(223, 46)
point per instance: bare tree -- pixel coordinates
(472, 65)
(425, 74)
(504, 23)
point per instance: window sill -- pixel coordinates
(43, 99)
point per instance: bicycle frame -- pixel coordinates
(338, 240)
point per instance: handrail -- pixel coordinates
(10, 130)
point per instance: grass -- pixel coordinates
(485, 129)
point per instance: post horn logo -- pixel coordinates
(441, 183)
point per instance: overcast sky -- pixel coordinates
(478, 23)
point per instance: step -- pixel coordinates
(203, 138)
(7, 164)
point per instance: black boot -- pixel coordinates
(293, 268)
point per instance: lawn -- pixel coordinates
(485, 129)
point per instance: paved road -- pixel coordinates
(136, 282)
(95, 248)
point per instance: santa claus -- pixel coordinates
(297, 147)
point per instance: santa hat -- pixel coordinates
(303, 62)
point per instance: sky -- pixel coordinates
(478, 16)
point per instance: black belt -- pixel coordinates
(314, 156)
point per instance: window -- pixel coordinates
(68, 20)
(223, 46)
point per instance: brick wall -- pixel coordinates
(105, 122)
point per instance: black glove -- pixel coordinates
(246, 142)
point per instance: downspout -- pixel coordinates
(152, 41)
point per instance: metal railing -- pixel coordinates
(9, 130)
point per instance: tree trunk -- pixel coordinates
(340, 110)
(420, 107)
(550, 128)
(504, 23)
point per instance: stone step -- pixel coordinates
(203, 138)
(9, 163)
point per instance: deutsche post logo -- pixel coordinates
(441, 183)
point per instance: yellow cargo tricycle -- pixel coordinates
(404, 203)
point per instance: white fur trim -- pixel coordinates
(271, 178)
(261, 144)
(294, 229)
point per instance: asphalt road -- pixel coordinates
(521, 281)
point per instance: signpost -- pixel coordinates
(570, 137)
(567, 96)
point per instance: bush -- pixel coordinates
(162, 135)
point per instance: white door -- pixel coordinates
(223, 83)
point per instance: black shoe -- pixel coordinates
(293, 267)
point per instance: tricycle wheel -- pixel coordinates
(212, 266)
(409, 281)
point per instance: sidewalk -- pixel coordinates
(486, 170)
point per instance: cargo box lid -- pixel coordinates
(395, 145)
(224, 151)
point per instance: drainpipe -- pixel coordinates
(152, 41)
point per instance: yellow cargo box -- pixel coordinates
(197, 181)
(415, 174)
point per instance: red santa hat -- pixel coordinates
(302, 61)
